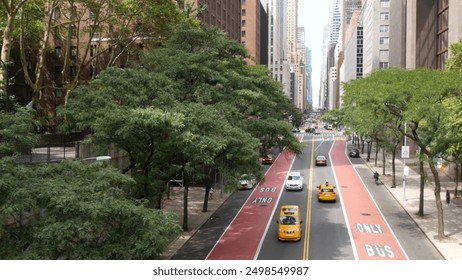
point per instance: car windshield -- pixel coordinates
(288, 220)
(321, 158)
(293, 178)
(327, 190)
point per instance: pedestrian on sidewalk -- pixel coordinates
(211, 194)
(448, 197)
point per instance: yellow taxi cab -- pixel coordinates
(289, 223)
(326, 192)
(267, 159)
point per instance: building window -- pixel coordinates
(385, 3)
(384, 53)
(73, 71)
(57, 73)
(384, 40)
(92, 50)
(58, 93)
(73, 31)
(384, 16)
(384, 28)
(56, 13)
(58, 52)
(383, 65)
(73, 51)
(243, 33)
(243, 12)
(243, 23)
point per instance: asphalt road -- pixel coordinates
(326, 232)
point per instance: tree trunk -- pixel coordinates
(422, 184)
(185, 207)
(6, 47)
(369, 150)
(206, 197)
(439, 204)
(384, 161)
(457, 180)
(376, 153)
(393, 168)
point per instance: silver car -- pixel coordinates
(247, 182)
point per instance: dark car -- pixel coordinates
(320, 160)
(354, 153)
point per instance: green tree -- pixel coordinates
(415, 97)
(452, 118)
(77, 210)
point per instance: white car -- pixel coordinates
(294, 181)
(247, 182)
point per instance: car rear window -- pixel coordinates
(288, 220)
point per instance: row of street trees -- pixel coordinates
(422, 105)
(192, 106)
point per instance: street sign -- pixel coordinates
(406, 171)
(405, 152)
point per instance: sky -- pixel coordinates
(313, 15)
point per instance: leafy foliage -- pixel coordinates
(75, 210)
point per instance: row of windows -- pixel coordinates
(73, 51)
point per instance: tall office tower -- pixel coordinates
(331, 50)
(309, 79)
(352, 65)
(296, 57)
(300, 69)
(334, 22)
(250, 28)
(292, 29)
(277, 56)
(348, 8)
(376, 24)
(432, 26)
(398, 33)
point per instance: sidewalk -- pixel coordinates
(408, 196)
(196, 217)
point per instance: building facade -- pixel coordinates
(251, 28)
(224, 14)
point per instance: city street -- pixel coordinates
(364, 223)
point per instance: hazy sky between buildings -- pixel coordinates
(313, 16)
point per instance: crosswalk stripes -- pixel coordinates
(324, 135)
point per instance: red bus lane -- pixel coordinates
(240, 241)
(372, 237)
